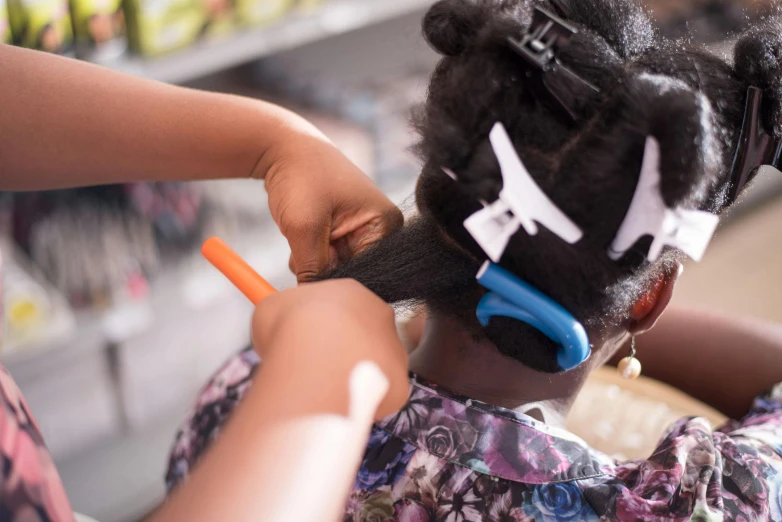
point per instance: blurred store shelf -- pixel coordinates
(126, 366)
(207, 57)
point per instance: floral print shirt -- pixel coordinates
(30, 488)
(447, 458)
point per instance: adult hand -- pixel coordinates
(308, 414)
(312, 337)
(324, 205)
(65, 135)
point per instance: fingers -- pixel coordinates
(313, 246)
(309, 249)
(375, 230)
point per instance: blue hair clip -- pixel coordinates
(522, 204)
(509, 296)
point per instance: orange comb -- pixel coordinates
(247, 280)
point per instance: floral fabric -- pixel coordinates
(30, 488)
(447, 458)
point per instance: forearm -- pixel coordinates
(290, 439)
(720, 360)
(68, 123)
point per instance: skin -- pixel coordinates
(312, 339)
(67, 123)
(477, 369)
(694, 351)
(721, 360)
(448, 355)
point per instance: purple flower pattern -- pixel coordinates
(447, 458)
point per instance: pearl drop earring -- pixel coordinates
(630, 367)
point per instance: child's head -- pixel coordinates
(587, 159)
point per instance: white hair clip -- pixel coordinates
(521, 203)
(688, 230)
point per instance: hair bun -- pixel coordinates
(758, 52)
(451, 26)
(758, 59)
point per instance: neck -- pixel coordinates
(451, 357)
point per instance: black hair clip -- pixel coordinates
(756, 147)
(547, 35)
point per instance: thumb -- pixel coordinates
(309, 249)
(375, 230)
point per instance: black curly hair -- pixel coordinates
(691, 101)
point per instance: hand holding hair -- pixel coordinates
(70, 123)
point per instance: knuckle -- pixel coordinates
(306, 274)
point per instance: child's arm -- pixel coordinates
(721, 360)
(65, 123)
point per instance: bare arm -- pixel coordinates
(331, 364)
(721, 360)
(66, 123)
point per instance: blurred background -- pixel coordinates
(112, 320)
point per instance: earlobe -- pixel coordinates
(651, 305)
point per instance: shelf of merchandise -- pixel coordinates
(332, 18)
(189, 284)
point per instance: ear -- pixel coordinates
(650, 306)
